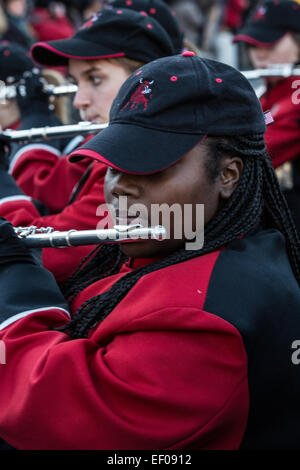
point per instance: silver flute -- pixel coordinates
(51, 132)
(276, 70)
(46, 237)
(9, 92)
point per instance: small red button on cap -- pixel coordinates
(188, 54)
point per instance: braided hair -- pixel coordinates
(257, 200)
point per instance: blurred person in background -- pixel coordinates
(49, 21)
(272, 36)
(231, 20)
(190, 18)
(15, 61)
(210, 25)
(16, 12)
(9, 31)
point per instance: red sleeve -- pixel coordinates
(283, 136)
(42, 173)
(141, 389)
(283, 139)
(80, 215)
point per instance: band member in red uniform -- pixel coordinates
(37, 168)
(272, 34)
(160, 345)
(100, 56)
(15, 61)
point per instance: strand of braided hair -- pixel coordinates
(257, 200)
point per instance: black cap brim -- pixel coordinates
(137, 150)
(259, 36)
(58, 53)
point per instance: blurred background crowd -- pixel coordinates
(208, 24)
(208, 27)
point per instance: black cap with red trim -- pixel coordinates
(269, 22)
(14, 61)
(115, 32)
(166, 107)
(158, 10)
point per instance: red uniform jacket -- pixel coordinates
(173, 366)
(151, 376)
(51, 179)
(48, 27)
(46, 175)
(283, 136)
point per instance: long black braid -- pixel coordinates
(257, 200)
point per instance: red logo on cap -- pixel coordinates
(92, 20)
(260, 13)
(141, 95)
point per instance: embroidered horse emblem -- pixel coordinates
(141, 96)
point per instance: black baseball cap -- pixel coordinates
(269, 22)
(14, 61)
(169, 105)
(115, 32)
(158, 10)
